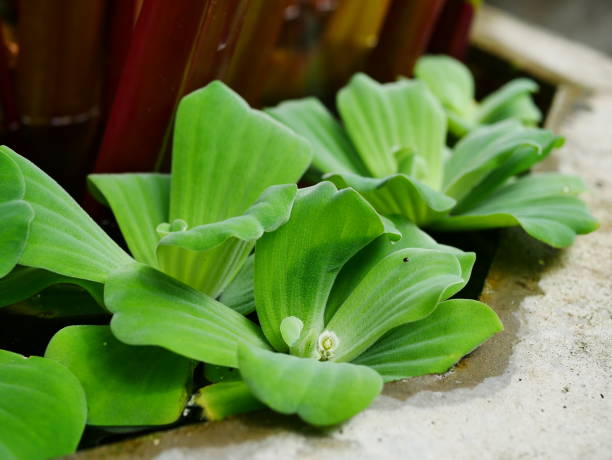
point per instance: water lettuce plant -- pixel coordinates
(340, 307)
(344, 298)
(391, 148)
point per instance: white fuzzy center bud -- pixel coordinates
(326, 345)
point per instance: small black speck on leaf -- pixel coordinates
(602, 396)
(406, 259)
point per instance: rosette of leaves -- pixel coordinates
(453, 84)
(391, 148)
(200, 223)
(232, 180)
(341, 309)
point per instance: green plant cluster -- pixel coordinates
(301, 300)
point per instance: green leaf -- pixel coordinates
(198, 244)
(450, 81)
(522, 108)
(221, 144)
(486, 149)
(404, 286)
(63, 238)
(124, 385)
(321, 393)
(240, 293)
(332, 149)
(16, 214)
(384, 119)
(23, 282)
(519, 161)
(434, 344)
(42, 408)
(221, 400)
(140, 203)
(365, 260)
(268, 213)
(225, 155)
(151, 308)
(545, 206)
(398, 194)
(295, 266)
(513, 100)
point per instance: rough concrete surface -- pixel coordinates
(587, 21)
(541, 389)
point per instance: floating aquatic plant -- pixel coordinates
(345, 298)
(340, 307)
(391, 148)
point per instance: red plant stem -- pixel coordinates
(10, 114)
(249, 46)
(452, 32)
(151, 83)
(122, 17)
(405, 34)
(58, 84)
(212, 44)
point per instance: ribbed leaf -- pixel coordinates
(404, 286)
(204, 242)
(63, 238)
(221, 144)
(268, 213)
(140, 203)
(321, 393)
(225, 155)
(296, 265)
(240, 293)
(520, 161)
(42, 408)
(15, 213)
(398, 194)
(384, 119)
(151, 308)
(23, 282)
(513, 100)
(545, 206)
(124, 385)
(522, 108)
(411, 237)
(15, 220)
(450, 81)
(487, 148)
(332, 149)
(432, 345)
